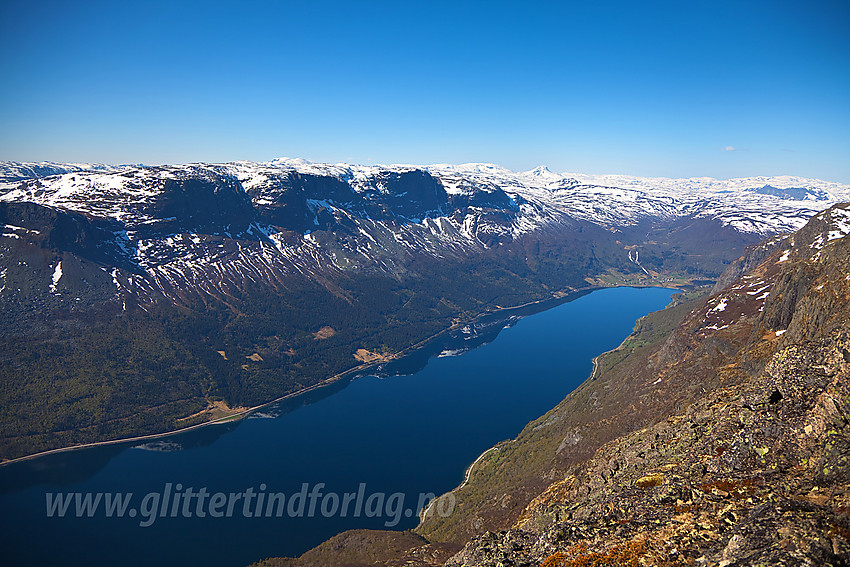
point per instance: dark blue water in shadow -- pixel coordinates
(409, 434)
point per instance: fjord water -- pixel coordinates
(410, 434)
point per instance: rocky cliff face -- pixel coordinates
(717, 434)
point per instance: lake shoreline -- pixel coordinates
(352, 373)
(396, 431)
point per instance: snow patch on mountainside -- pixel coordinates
(840, 219)
(57, 275)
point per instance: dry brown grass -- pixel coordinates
(324, 333)
(628, 554)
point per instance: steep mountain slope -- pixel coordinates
(755, 471)
(717, 434)
(136, 299)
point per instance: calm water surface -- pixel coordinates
(409, 434)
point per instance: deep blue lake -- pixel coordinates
(408, 434)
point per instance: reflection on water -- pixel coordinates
(165, 446)
(70, 467)
(67, 468)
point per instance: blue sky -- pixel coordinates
(684, 88)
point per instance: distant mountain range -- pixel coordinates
(137, 298)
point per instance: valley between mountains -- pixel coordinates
(139, 300)
(717, 434)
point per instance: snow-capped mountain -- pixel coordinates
(761, 205)
(192, 226)
(158, 290)
(16, 171)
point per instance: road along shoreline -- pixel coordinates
(562, 297)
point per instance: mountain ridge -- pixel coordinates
(254, 258)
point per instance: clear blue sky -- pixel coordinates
(682, 88)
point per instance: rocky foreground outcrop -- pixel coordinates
(753, 474)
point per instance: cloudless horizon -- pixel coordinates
(668, 89)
